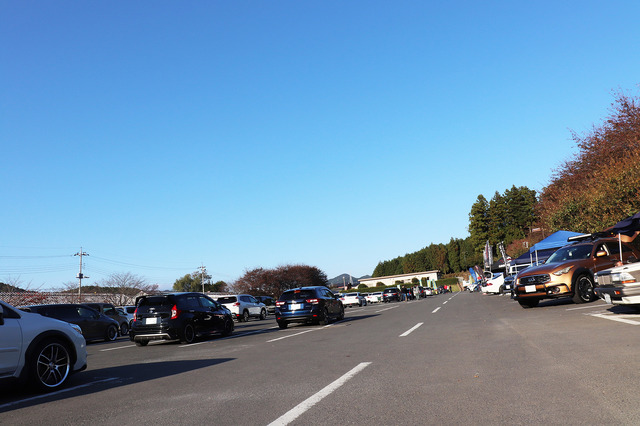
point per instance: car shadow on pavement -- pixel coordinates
(92, 381)
(623, 310)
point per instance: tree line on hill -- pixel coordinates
(598, 187)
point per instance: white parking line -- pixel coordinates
(436, 310)
(386, 309)
(589, 307)
(290, 335)
(299, 409)
(615, 318)
(406, 333)
(46, 395)
(119, 347)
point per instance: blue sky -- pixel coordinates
(163, 135)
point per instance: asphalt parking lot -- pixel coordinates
(449, 359)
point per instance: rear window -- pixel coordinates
(156, 301)
(227, 299)
(297, 295)
(351, 294)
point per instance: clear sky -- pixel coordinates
(164, 135)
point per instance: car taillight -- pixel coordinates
(135, 314)
(175, 312)
(279, 303)
(236, 304)
(312, 301)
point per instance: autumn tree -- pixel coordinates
(272, 282)
(600, 185)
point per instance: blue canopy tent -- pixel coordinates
(541, 251)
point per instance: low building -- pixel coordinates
(430, 276)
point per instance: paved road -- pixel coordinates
(450, 359)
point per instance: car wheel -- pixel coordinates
(263, 314)
(50, 365)
(341, 316)
(124, 329)
(228, 327)
(188, 334)
(583, 289)
(142, 342)
(111, 334)
(245, 316)
(324, 320)
(282, 324)
(501, 290)
(530, 303)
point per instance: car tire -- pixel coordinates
(228, 327)
(583, 292)
(263, 314)
(142, 342)
(50, 365)
(324, 320)
(111, 333)
(188, 334)
(124, 329)
(282, 324)
(529, 303)
(341, 315)
(501, 290)
(245, 316)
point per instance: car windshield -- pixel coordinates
(571, 253)
(297, 295)
(228, 299)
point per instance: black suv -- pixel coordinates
(269, 302)
(94, 325)
(308, 305)
(390, 294)
(178, 316)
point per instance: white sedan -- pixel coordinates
(353, 299)
(375, 297)
(494, 285)
(57, 349)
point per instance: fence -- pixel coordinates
(25, 298)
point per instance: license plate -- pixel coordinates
(530, 288)
(295, 306)
(153, 320)
(607, 298)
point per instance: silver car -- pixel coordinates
(43, 351)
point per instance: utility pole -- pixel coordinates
(202, 269)
(80, 275)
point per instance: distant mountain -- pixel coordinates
(342, 279)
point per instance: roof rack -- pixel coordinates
(582, 237)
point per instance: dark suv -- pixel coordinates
(308, 305)
(390, 294)
(178, 316)
(109, 310)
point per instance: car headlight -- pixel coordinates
(622, 278)
(77, 328)
(562, 271)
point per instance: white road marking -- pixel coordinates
(436, 310)
(386, 309)
(290, 335)
(406, 333)
(119, 347)
(46, 395)
(615, 318)
(588, 307)
(301, 408)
